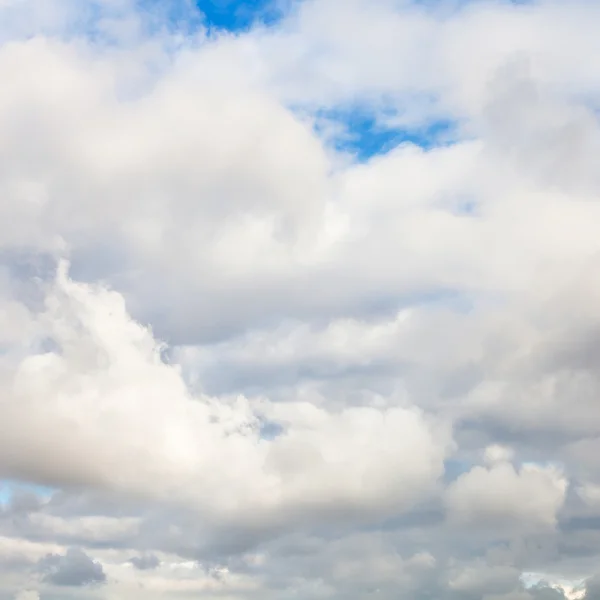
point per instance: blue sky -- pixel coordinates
(8, 488)
(362, 133)
(238, 15)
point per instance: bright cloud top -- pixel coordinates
(104, 410)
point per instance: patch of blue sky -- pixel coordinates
(184, 18)
(181, 16)
(269, 430)
(364, 133)
(454, 468)
(8, 487)
(188, 16)
(240, 15)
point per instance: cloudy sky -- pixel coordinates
(299, 300)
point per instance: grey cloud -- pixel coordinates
(592, 588)
(555, 142)
(543, 591)
(145, 562)
(75, 568)
(23, 502)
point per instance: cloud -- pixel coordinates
(270, 368)
(481, 579)
(75, 568)
(79, 407)
(501, 495)
(146, 561)
(27, 595)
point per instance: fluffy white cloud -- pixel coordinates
(501, 495)
(104, 410)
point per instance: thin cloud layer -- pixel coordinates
(239, 360)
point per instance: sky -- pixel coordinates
(299, 300)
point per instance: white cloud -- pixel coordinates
(27, 595)
(503, 496)
(104, 410)
(483, 579)
(497, 454)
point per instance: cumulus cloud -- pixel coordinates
(501, 494)
(146, 561)
(104, 410)
(497, 454)
(75, 568)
